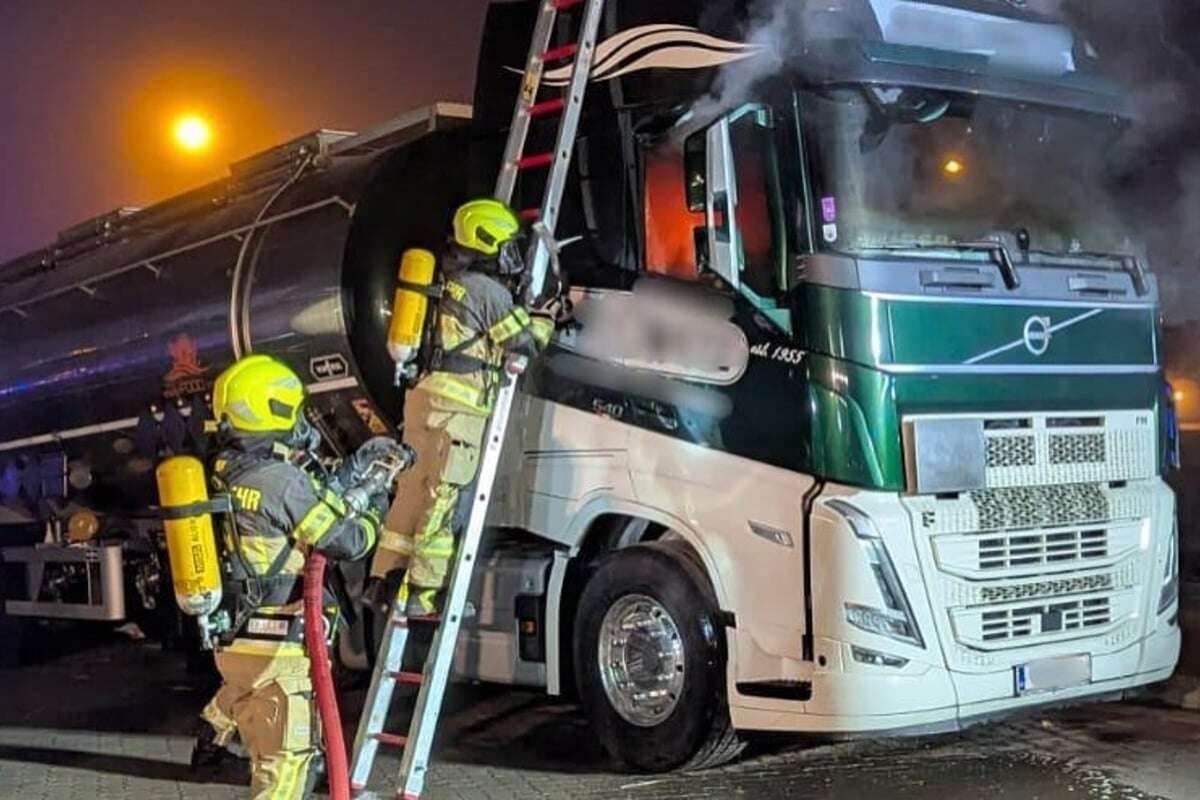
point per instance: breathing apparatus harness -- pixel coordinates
(358, 480)
(431, 356)
(245, 589)
(507, 266)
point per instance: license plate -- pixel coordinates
(1049, 674)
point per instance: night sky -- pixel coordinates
(89, 90)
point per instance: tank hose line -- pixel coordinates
(322, 679)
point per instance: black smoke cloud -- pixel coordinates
(1153, 49)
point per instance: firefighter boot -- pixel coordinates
(422, 604)
(210, 757)
(380, 593)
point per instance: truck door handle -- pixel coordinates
(956, 279)
(1093, 284)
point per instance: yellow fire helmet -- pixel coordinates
(258, 394)
(484, 225)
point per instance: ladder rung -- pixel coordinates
(391, 739)
(533, 162)
(410, 678)
(559, 53)
(547, 107)
(531, 214)
(563, 5)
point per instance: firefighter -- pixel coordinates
(446, 413)
(280, 513)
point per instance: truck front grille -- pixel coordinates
(1011, 451)
(1024, 624)
(1082, 448)
(1023, 566)
(1029, 622)
(1036, 548)
(1047, 449)
(1079, 584)
(1039, 506)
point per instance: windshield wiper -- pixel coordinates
(998, 252)
(1137, 273)
(1130, 265)
(1008, 269)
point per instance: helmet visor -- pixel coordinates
(510, 261)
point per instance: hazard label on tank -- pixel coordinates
(329, 368)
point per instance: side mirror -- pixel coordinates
(721, 206)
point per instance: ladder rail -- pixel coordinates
(379, 698)
(538, 259)
(415, 763)
(531, 81)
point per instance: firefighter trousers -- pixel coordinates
(266, 697)
(420, 527)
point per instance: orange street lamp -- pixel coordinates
(192, 133)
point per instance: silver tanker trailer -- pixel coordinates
(114, 335)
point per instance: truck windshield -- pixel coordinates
(902, 167)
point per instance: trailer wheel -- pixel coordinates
(13, 630)
(650, 661)
(14, 633)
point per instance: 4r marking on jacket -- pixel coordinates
(248, 499)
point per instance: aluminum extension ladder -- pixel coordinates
(389, 672)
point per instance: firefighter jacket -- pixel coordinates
(478, 326)
(279, 512)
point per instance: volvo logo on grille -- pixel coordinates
(1037, 335)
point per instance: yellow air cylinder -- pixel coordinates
(191, 543)
(410, 307)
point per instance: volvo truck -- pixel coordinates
(860, 428)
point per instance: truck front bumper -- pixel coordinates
(849, 697)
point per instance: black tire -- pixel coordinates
(13, 632)
(697, 734)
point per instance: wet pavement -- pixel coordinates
(115, 720)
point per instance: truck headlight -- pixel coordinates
(896, 620)
(1170, 589)
(865, 656)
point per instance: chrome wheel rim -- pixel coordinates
(641, 660)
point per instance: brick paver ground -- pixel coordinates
(115, 721)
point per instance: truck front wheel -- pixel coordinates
(650, 661)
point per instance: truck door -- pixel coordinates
(747, 239)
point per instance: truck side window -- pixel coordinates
(759, 212)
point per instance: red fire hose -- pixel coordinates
(322, 679)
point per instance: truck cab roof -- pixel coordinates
(1003, 48)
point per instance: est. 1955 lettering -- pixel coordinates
(787, 355)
